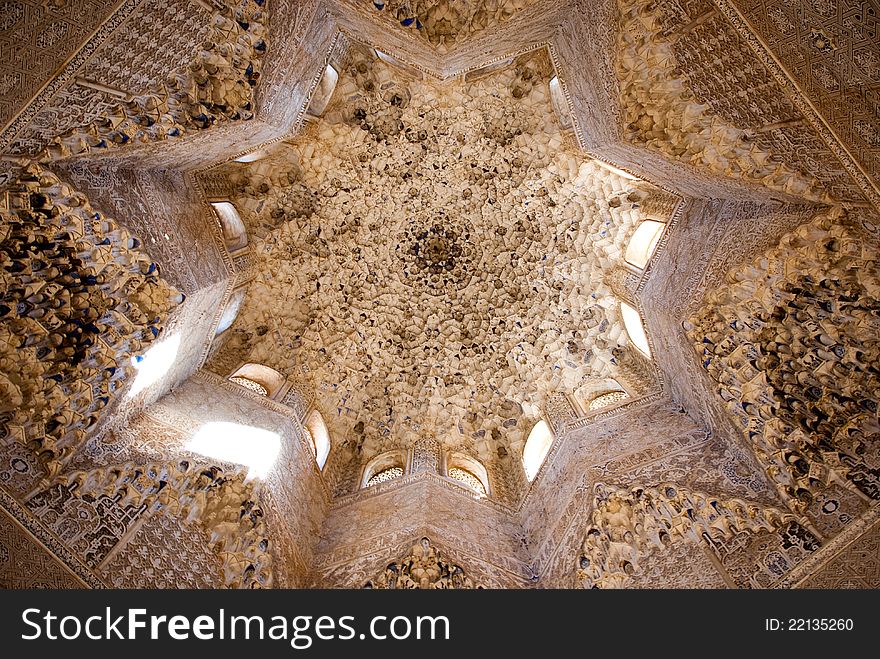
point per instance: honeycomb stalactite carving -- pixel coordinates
(791, 342)
(435, 265)
(78, 299)
(218, 85)
(627, 523)
(423, 568)
(458, 240)
(225, 504)
(442, 23)
(662, 111)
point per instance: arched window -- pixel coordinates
(324, 92)
(234, 231)
(643, 243)
(385, 467)
(258, 378)
(537, 446)
(615, 170)
(474, 74)
(635, 330)
(253, 156)
(559, 102)
(468, 472)
(599, 393)
(393, 61)
(467, 478)
(231, 311)
(608, 398)
(247, 383)
(319, 436)
(389, 474)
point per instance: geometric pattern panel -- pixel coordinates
(758, 560)
(89, 526)
(832, 51)
(158, 37)
(857, 566)
(24, 563)
(681, 565)
(165, 554)
(35, 38)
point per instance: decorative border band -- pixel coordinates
(803, 104)
(827, 552)
(49, 540)
(42, 98)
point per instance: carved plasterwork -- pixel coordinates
(37, 37)
(224, 504)
(215, 86)
(435, 264)
(442, 23)
(432, 332)
(423, 568)
(825, 55)
(80, 298)
(674, 106)
(165, 553)
(625, 523)
(25, 563)
(681, 565)
(846, 561)
(790, 342)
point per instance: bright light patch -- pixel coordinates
(228, 213)
(234, 231)
(643, 243)
(385, 57)
(231, 312)
(255, 448)
(632, 321)
(559, 102)
(154, 363)
(619, 172)
(324, 92)
(320, 437)
(253, 156)
(537, 446)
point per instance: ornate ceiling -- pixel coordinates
(433, 257)
(435, 262)
(443, 22)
